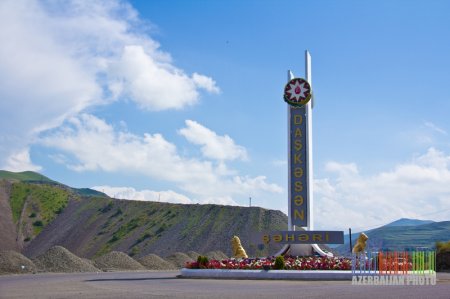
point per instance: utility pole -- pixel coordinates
(250, 201)
(350, 234)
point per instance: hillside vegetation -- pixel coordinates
(94, 226)
(24, 176)
(44, 214)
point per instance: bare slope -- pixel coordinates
(37, 215)
(8, 231)
(90, 227)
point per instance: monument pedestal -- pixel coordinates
(300, 250)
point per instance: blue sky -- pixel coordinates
(181, 101)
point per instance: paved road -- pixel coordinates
(157, 284)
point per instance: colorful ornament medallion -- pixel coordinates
(297, 92)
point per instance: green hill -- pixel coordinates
(399, 222)
(40, 215)
(409, 222)
(25, 176)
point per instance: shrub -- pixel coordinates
(32, 215)
(113, 239)
(106, 208)
(202, 261)
(38, 223)
(279, 263)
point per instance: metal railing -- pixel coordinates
(419, 261)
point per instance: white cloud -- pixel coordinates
(213, 146)
(205, 82)
(412, 190)
(94, 145)
(249, 184)
(143, 195)
(154, 85)
(57, 60)
(223, 200)
(435, 128)
(160, 196)
(343, 169)
(20, 161)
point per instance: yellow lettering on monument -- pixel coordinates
(266, 239)
(298, 214)
(317, 237)
(298, 145)
(290, 238)
(277, 238)
(298, 120)
(298, 187)
(303, 237)
(298, 132)
(298, 172)
(298, 200)
(297, 159)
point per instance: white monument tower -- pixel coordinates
(300, 159)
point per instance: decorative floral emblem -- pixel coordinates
(297, 92)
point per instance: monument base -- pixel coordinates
(300, 250)
(303, 250)
(270, 274)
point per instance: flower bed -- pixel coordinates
(290, 263)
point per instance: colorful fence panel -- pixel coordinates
(421, 261)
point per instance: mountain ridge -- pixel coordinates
(408, 222)
(39, 215)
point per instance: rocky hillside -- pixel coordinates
(36, 215)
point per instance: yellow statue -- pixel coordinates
(360, 243)
(238, 250)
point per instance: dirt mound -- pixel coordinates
(216, 255)
(193, 254)
(154, 262)
(117, 261)
(59, 259)
(12, 262)
(179, 259)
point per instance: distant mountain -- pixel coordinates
(399, 237)
(409, 222)
(36, 215)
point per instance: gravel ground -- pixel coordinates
(165, 285)
(179, 259)
(154, 262)
(117, 261)
(12, 262)
(59, 259)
